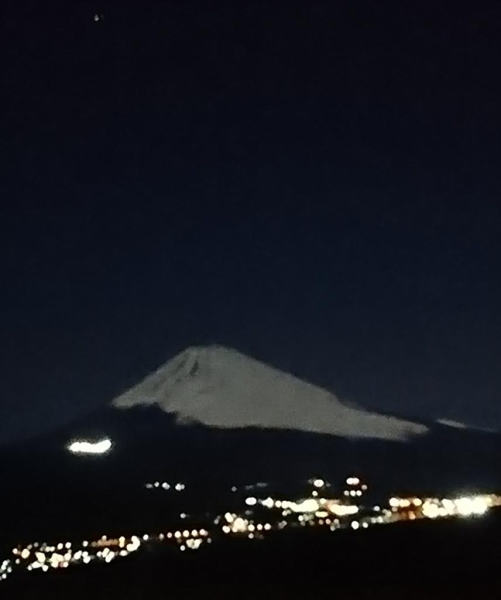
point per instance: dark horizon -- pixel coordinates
(314, 185)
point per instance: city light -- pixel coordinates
(468, 507)
(318, 509)
(353, 481)
(342, 510)
(310, 505)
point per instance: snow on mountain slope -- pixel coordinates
(219, 387)
(459, 425)
(452, 423)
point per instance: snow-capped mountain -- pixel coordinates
(214, 419)
(221, 388)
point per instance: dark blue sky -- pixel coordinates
(316, 184)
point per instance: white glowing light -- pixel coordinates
(240, 525)
(431, 510)
(342, 510)
(134, 544)
(308, 505)
(318, 483)
(85, 447)
(268, 502)
(467, 507)
(251, 501)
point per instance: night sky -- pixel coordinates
(317, 184)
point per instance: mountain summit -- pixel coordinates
(222, 388)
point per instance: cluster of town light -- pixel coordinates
(46, 556)
(314, 505)
(462, 507)
(188, 540)
(314, 510)
(435, 508)
(240, 525)
(165, 485)
(5, 569)
(63, 554)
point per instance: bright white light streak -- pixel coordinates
(85, 447)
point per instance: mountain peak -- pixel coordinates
(220, 387)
